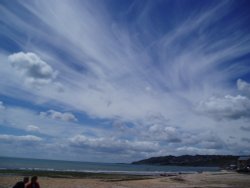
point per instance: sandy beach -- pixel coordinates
(200, 180)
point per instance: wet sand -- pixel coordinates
(201, 180)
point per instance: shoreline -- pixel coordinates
(136, 173)
(72, 174)
(224, 179)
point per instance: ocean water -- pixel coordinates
(55, 165)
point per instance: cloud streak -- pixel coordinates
(32, 128)
(16, 139)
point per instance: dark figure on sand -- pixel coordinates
(21, 184)
(33, 183)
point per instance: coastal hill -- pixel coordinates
(191, 160)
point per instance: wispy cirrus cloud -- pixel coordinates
(93, 60)
(99, 56)
(162, 78)
(32, 128)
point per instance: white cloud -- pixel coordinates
(163, 132)
(64, 116)
(194, 150)
(34, 70)
(20, 118)
(229, 107)
(25, 138)
(2, 107)
(243, 86)
(113, 144)
(32, 128)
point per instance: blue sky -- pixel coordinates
(118, 81)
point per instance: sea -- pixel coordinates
(76, 166)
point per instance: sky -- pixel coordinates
(120, 81)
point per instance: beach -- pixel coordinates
(194, 180)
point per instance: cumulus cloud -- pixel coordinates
(228, 107)
(34, 70)
(202, 141)
(162, 132)
(2, 107)
(213, 143)
(14, 138)
(32, 128)
(113, 144)
(64, 116)
(243, 86)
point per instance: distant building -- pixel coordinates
(243, 163)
